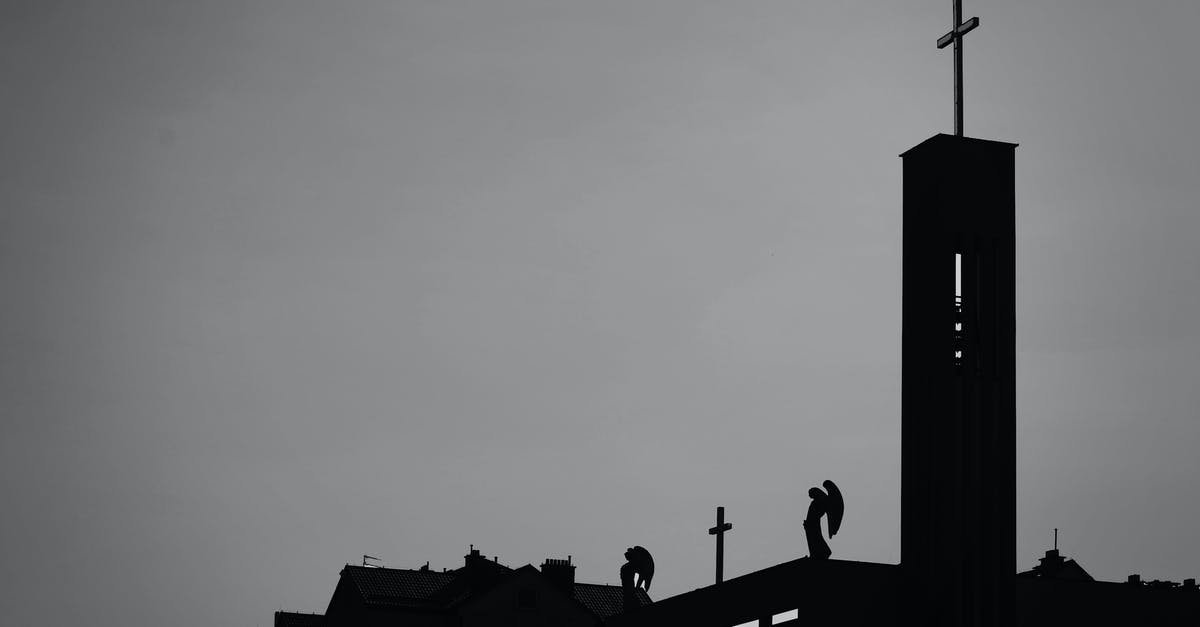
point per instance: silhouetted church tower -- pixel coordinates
(958, 417)
(958, 484)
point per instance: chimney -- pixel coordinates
(473, 557)
(561, 574)
(478, 571)
(1134, 579)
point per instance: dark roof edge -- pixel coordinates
(941, 137)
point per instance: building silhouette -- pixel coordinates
(481, 592)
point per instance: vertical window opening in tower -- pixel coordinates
(958, 311)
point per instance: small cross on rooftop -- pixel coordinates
(719, 531)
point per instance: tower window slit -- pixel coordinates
(958, 310)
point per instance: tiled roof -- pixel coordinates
(296, 619)
(605, 601)
(391, 586)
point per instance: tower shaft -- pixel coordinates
(958, 399)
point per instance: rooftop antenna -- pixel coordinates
(371, 558)
(1056, 538)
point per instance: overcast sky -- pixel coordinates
(286, 283)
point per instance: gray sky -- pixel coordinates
(286, 283)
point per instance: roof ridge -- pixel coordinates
(413, 570)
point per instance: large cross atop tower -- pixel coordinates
(957, 30)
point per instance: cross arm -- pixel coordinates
(715, 530)
(959, 31)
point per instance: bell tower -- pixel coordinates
(958, 416)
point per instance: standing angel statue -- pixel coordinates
(829, 505)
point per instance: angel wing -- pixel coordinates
(645, 567)
(835, 507)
